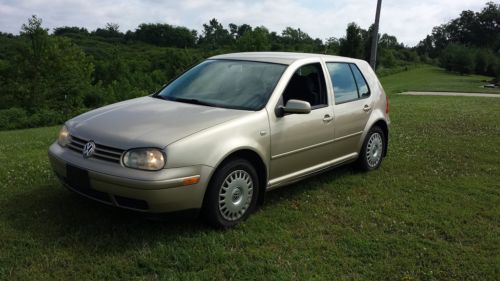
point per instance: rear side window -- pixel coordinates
(348, 82)
(363, 89)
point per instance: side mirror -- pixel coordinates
(297, 107)
(294, 107)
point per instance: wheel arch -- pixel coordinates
(385, 128)
(256, 160)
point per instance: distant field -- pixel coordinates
(430, 78)
(431, 212)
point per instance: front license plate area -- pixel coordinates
(77, 178)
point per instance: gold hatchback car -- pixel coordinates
(229, 129)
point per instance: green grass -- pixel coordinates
(430, 78)
(432, 212)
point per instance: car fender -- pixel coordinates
(376, 116)
(213, 145)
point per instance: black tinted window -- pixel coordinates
(307, 84)
(363, 89)
(344, 85)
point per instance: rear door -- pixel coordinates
(352, 106)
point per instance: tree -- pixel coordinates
(426, 47)
(458, 58)
(70, 30)
(477, 29)
(112, 27)
(32, 60)
(298, 40)
(367, 36)
(389, 42)
(481, 62)
(49, 72)
(238, 31)
(295, 36)
(215, 36)
(332, 46)
(489, 26)
(165, 35)
(110, 31)
(352, 44)
(255, 40)
(37, 36)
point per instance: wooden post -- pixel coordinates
(373, 53)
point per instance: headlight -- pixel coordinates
(64, 138)
(145, 159)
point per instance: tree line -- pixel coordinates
(47, 77)
(467, 44)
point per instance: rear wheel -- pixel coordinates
(232, 194)
(372, 151)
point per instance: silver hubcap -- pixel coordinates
(235, 195)
(374, 149)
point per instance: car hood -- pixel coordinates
(147, 122)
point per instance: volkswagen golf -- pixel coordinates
(218, 137)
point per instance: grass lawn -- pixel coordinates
(432, 212)
(431, 78)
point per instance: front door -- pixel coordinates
(301, 141)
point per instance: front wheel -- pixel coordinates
(372, 151)
(232, 194)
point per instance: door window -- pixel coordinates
(348, 82)
(307, 84)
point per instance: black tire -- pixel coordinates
(222, 187)
(365, 161)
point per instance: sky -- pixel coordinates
(409, 20)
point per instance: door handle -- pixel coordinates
(367, 108)
(327, 118)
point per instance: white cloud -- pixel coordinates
(409, 20)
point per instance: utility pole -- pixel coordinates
(373, 53)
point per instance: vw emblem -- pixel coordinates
(88, 149)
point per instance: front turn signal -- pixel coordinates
(191, 180)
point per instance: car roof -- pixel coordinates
(280, 57)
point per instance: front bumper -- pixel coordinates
(146, 191)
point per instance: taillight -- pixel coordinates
(386, 104)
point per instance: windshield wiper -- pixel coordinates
(155, 96)
(192, 101)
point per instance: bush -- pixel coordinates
(481, 62)
(46, 117)
(494, 67)
(386, 58)
(382, 71)
(458, 58)
(18, 118)
(13, 118)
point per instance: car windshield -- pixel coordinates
(232, 84)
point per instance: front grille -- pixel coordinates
(102, 152)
